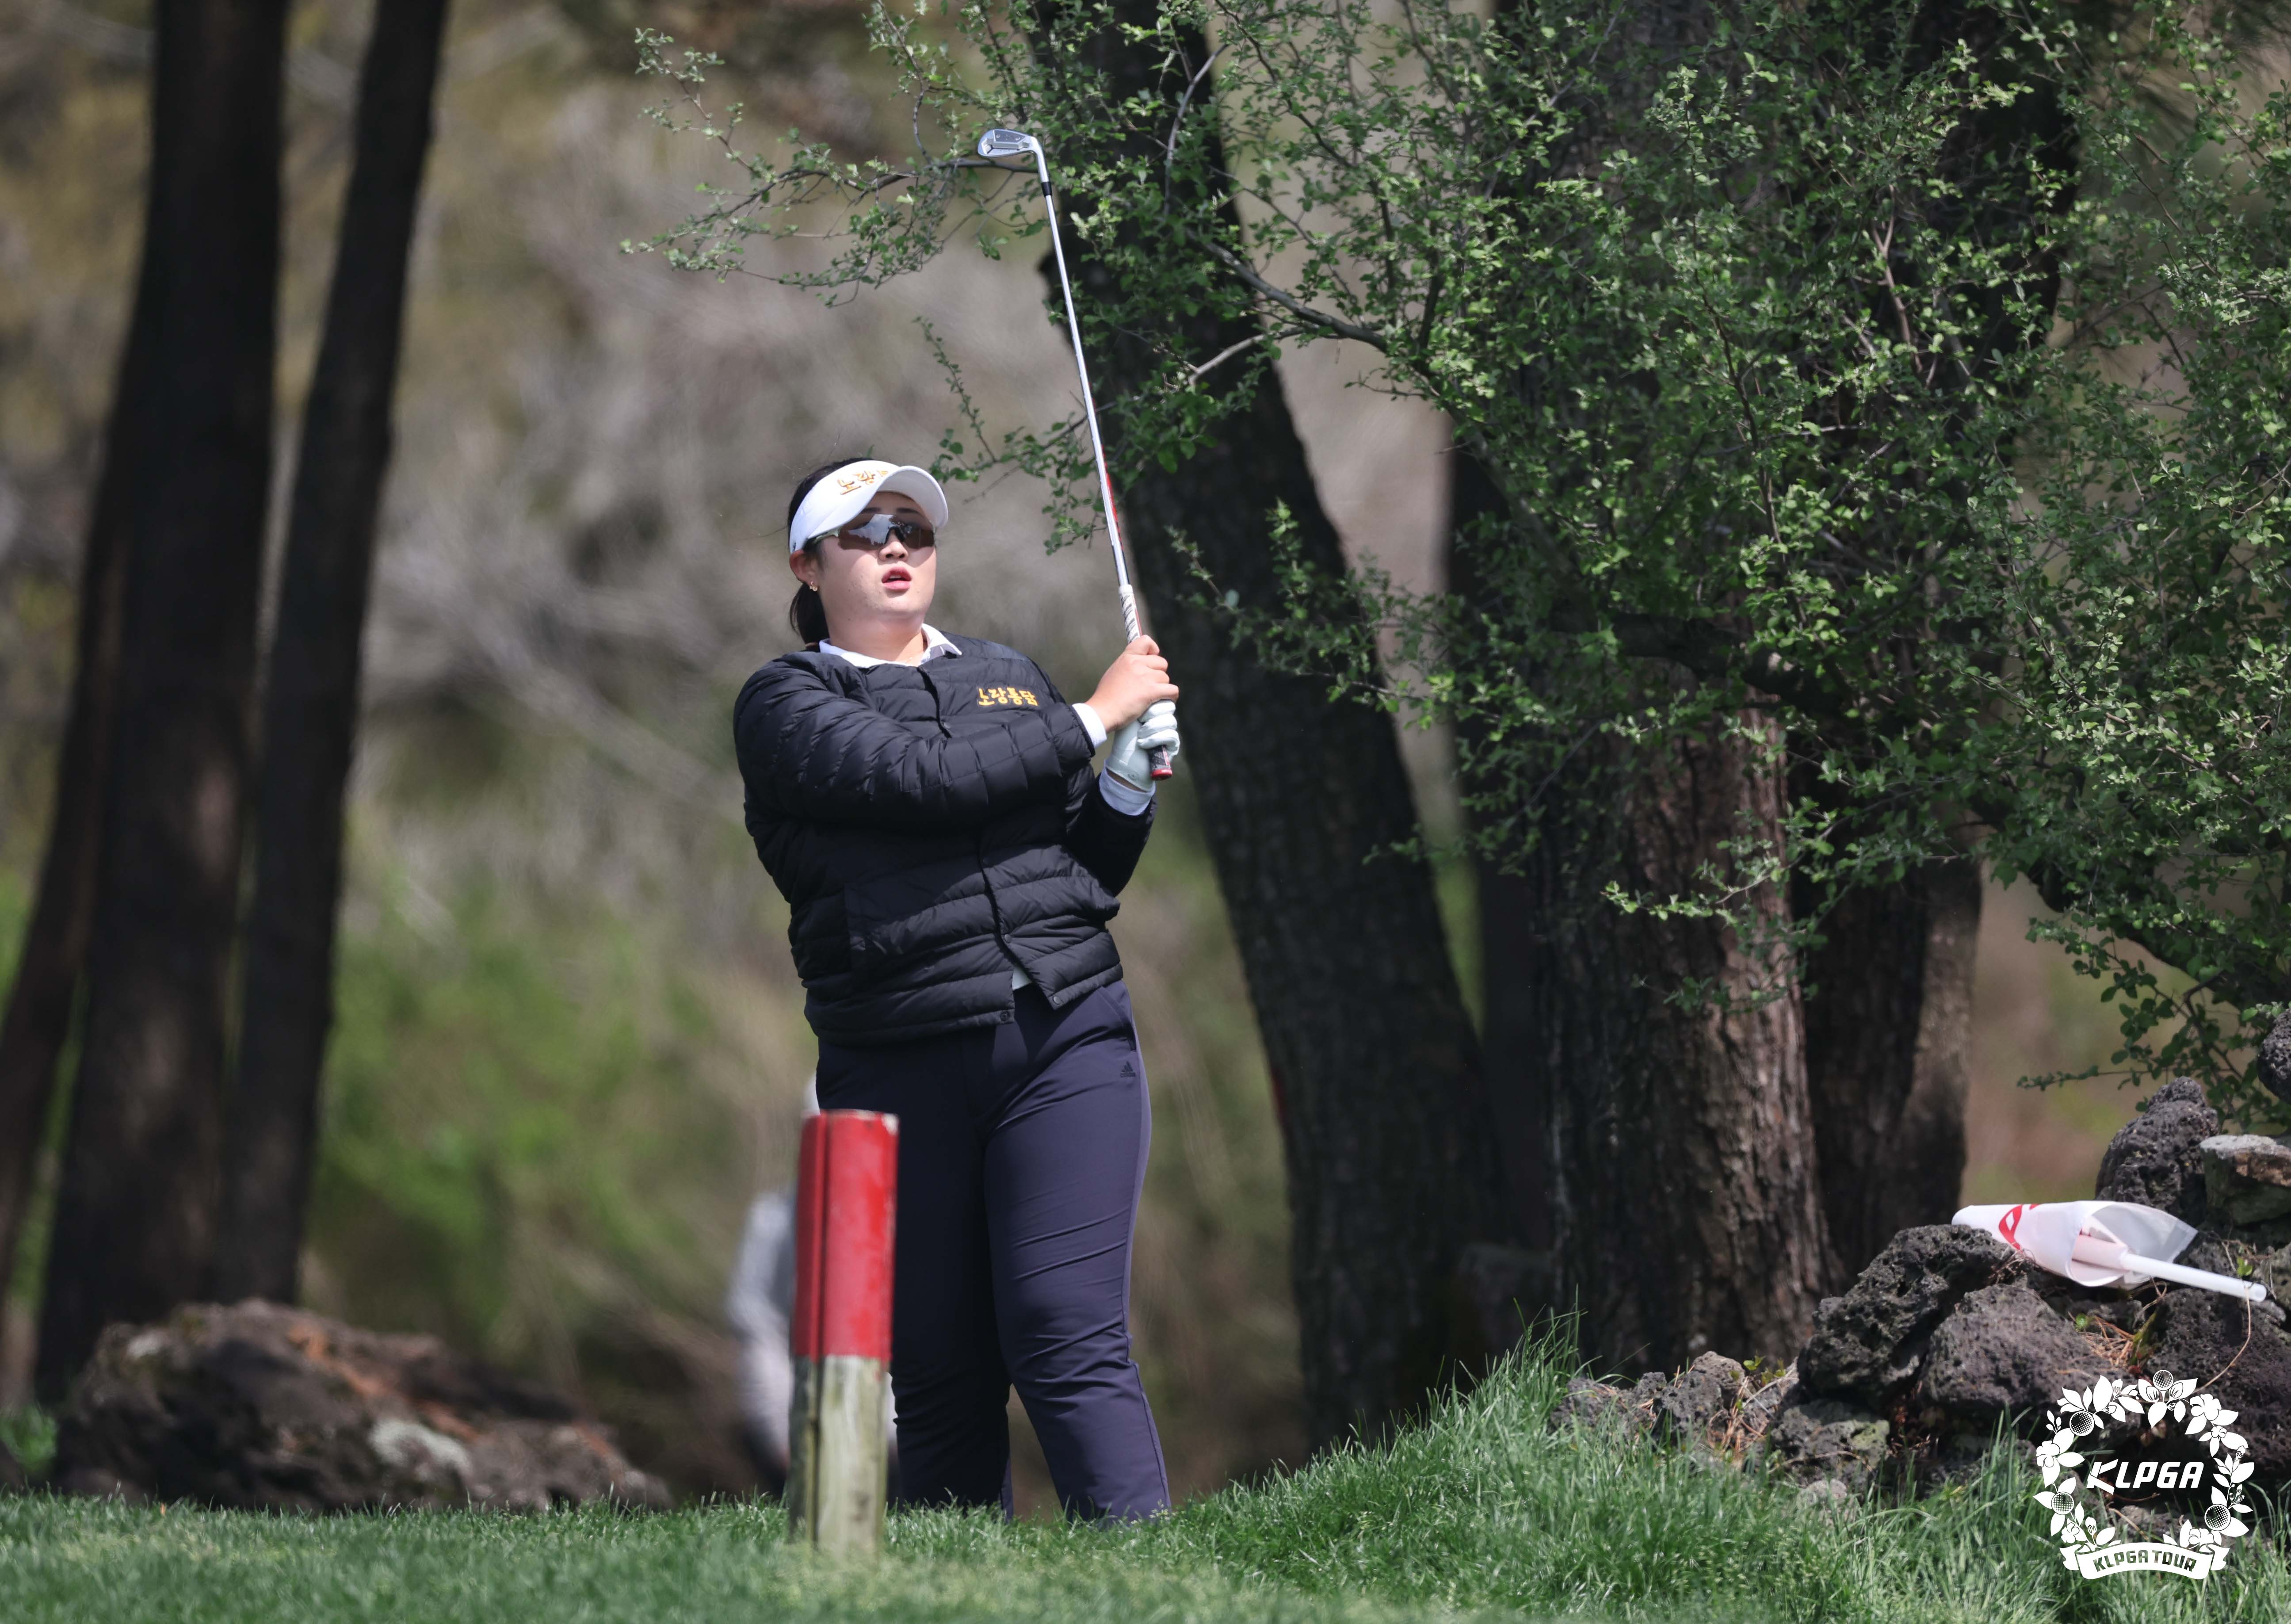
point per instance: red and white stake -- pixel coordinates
(846, 1184)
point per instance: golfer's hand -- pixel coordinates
(1129, 759)
(1138, 677)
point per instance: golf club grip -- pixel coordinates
(1157, 763)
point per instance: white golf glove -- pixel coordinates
(1156, 729)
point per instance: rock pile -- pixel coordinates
(1948, 1334)
(257, 1405)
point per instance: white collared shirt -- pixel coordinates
(935, 643)
(1123, 799)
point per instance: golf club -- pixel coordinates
(1012, 143)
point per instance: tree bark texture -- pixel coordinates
(1389, 1145)
(1688, 1211)
(311, 700)
(1888, 1026)
(135, 1218)
(49, 969)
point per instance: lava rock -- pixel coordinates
(1867, 1346)
(2271, 1269)
(1759, 1410)
(255, 1405)
(2275, 1056)
(1590, 1404)
(2147, 1522)
(2203, 1335)
(2247, 1178)
(1816, 1438)
(2124, 1313)
(1594, 1403)
(1701, 1395)
(2207, 1250)
(1961, 1456)
(1827, 1496)
(2270, 1261)
(2001, 1352)
(2153, 1158)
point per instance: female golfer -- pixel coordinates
(925, 804)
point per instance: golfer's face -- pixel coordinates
(893, 578)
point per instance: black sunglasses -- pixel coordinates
(877, 529)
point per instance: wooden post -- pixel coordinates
(847, 1185)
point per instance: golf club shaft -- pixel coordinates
(1157, 760)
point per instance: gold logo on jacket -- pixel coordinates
(1008, 696)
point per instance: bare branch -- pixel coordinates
(1177, 121)
(1296, 306)
(1222, 356)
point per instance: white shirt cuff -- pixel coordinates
(1092, 724)
(1122, 796)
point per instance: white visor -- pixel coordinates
(839, 497)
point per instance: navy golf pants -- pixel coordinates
(1022, 1156)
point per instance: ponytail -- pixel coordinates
(807, 614)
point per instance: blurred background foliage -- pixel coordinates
(571, 1047)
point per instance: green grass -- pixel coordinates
(29, 1435)
(1481, 1513)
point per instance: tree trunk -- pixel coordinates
(1887, 1027)
(1518, 1084)
(310, 703)
(48, 971)
(1890, 1020)
(135, 1218)
(1688, 1211)
(1885, 1039)
(1389, 1142)
(1660, 1161)
(1872, 1069)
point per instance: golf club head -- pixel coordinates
(1007, 144)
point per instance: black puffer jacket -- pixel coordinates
(931, 826)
